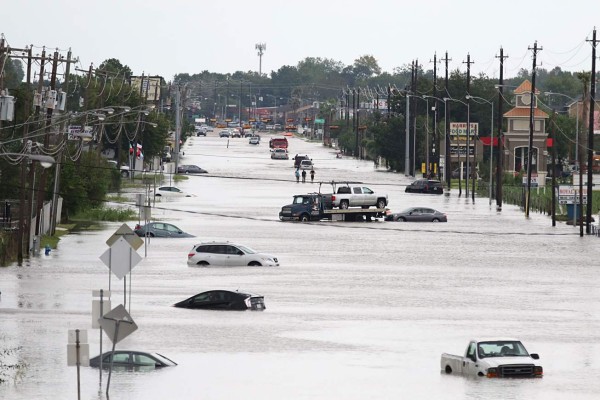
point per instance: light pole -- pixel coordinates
(467, 150)
(446, 160)
(491, 141)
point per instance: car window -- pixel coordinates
(232, 250)
(159, 226)
(357, 190)
(119, 358)
(367, 190)
(171, 228)
(428, 211)
(142, 359)
(221, 249)
(203, 249)
(202, 297)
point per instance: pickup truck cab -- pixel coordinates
(504, 358)
(358, 196)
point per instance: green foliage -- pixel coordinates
(84, 183)
(105, 214)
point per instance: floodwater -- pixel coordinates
(355, 311)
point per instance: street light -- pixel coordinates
(491, 140)
(446, 161)
(467, 150)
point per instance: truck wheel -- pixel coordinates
(304, 218)
(448, 369)
(381, 203)
(344, 204)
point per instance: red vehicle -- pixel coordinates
(278, 143)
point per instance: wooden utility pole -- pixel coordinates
(499, 166)
(468, 149)
(531, 127)
(447, 166)
(414, 117)
(590, 149)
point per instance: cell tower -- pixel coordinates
(261, 47)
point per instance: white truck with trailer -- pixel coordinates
(495, 358)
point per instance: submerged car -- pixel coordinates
(160, 229)
(425, 186)
(418, 214)
(190, 169)
(223, 300)
(132, 360)
(170, 191)
(224, 133)
(229, 255)
(280, 154)
(254, 140)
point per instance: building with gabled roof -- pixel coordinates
(516, 137)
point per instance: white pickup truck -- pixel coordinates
(505, 358)
(357, 196)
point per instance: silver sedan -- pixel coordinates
(418, 214)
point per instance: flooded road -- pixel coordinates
(355, 311)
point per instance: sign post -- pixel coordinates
(111, 323)
(78, 353)
(98, 307)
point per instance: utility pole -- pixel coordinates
(531, 128)
(447, 167)
(414, 141)
(468, 150)
(553, 136)
(590, 149)
(261, 47)
(436, 156)
(500, 162)
(57, 166)
(177, 124)
(357, 149)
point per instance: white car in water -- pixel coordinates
(229, 255)
(170, 191)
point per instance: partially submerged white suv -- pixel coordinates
(229, 255)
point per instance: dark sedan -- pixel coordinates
(418, 214)
(161, 229)
(425, 186)
(132, 360)
(190, 169)
(224, 300)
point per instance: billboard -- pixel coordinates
(148, 87)
(459, 129)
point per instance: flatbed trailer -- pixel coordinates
(318, 206)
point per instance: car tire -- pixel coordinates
(435, 220)
(381, 203)
(158, 195)
(254, 264)
(125, 174)
(401, 219)
(203, 263)
(304, 218)
(344, 205)
(150, 234)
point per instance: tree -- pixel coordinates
(365, 67)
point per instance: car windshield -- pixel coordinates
(246, 250)
(501, 349)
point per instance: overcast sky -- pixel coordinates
(174, 36)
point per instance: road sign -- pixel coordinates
(319, 121)
(120, 258)
(126, 324)
(128, 234)
(84, 348)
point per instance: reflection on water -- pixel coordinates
(356, 310)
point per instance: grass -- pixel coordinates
(106, 214)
